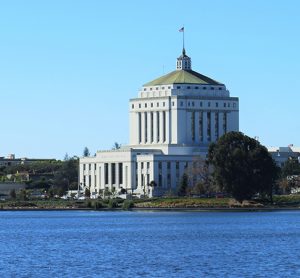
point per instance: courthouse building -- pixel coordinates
(172, 121)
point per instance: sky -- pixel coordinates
(68, 68)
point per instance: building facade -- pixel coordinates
(172, 122)
(282, 154)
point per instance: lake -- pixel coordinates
(149, 244)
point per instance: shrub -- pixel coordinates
(112, 203)
(98, 205)
(127, 204)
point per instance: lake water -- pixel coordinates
(149, 244)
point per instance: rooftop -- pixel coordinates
(183, 77)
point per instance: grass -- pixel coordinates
(170, 202)
(183, 202)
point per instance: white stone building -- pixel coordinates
(173, 120)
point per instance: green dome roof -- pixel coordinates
(183, 77)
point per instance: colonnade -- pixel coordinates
(153, 127)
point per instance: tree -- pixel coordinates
(116, 146)
(242, 167)
(13, 194)
(66, 157)
(200, 173)
(290, 168)
(182, 190)
(86, 152)
(87, 193)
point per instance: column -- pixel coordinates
(173, 174)
(109, 175)
(117, 175)
(139, 126)
(155, 127)
(167, 127)
(189, 127)
(204, 126)
(139, 171)
(164, 174)
(149, 129)
(161, 127)
(142, 125)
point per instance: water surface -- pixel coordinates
(149, 244)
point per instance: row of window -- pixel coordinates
(188, 87)
(190, 103)
(89, 166)
(198, 123)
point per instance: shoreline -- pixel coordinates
(182, 209)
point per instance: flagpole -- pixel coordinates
(183, 37)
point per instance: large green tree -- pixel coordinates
(242, 166)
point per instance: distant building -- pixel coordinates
(172, 122)
(11, 160)
(282, 154)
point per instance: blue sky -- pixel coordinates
(68, 68)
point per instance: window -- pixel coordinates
(234, 104)
(95, 166)
(204, 88)
(150, 89)
(145, 105)
(212, 88)
(196, 87)
(208, 126)
(189, 104)
(189, 87)
(157, 104)
(113, 173)
(139, 105)
(220, 88)
(132, 106)
(162, 88)
(181, 103)
(193, 104)
(145, 89)
(208, 104)
(83, 167)
(173, 103)
(228, 104)
(217, 104)
(90, 167)
(164, 103)
(178, 87)
(201, 104)
(148, 165)
(169, 87)
(157, 88)
(193, 126)
(224, 104)
(120, 173)
(105, 173)
(142, 165)
(151, 104)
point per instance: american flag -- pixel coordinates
(181, 29)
